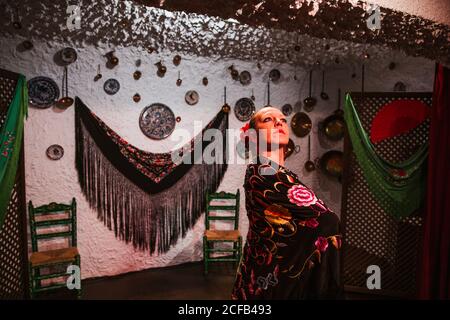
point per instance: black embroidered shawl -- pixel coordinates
(145, 197)
(292, 247)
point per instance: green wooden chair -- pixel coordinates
(42, 219)
(214, 236)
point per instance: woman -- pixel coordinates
(293, 241)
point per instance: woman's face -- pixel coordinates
(275, 125)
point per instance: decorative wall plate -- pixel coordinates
(43, 92)
(68, 55)
(111, 86)
(274, 75)
(245, 78)
(191, 97)
(55, 152)
(287, 109)
(244, 109)
(157, 121)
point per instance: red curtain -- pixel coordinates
(434, 280)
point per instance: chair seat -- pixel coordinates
(53, 256)
(232, 235)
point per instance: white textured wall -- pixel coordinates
(436, 10)
(102, 254)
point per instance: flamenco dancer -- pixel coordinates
(293, 241)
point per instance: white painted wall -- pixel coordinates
(46, 180)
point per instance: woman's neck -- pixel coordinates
(276, 155)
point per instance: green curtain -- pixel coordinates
(399, 188)
(10, 143)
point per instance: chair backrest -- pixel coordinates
(52, 215)
(214, 208)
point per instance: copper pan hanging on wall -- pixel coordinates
(301, 124)
(332, 163)
(334, 125)
(310, 101)
(290, 148)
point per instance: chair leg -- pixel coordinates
(205, 255)
(31, 280)
(235, 254)
(239, 250)
(78, 263)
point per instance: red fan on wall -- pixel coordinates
(397, 117)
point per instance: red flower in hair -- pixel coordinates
(245, 127)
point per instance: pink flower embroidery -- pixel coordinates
(321, 244)
(301, 196)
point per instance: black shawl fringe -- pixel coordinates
(150, 221)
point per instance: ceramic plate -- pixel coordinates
(157, 121)
(244, 109)
(43, 92)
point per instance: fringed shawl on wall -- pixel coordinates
(145, 197)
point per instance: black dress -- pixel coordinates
(293, 241)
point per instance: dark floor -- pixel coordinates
(182, 282)
(178, 282)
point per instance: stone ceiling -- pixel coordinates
(305, 33)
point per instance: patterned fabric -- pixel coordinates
(155, 166)
(11, 133)
(399, 188)
(146, 198)
(293, 242)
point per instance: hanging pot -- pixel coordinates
(274, 75)
(235, 74)
(291, 147)
(323, 94)
(310, 101)
(16, 23)
(245, 78)
(226, 107)
(301, 124)
(65, 101)
(334, 125)
(112, 60)
(309, 165)
(176, 60)
(287, 109)
(68, 55)
(332, 163)
(161, 69)
(98, 76)
(179, 81)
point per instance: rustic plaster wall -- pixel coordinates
(102, 254)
